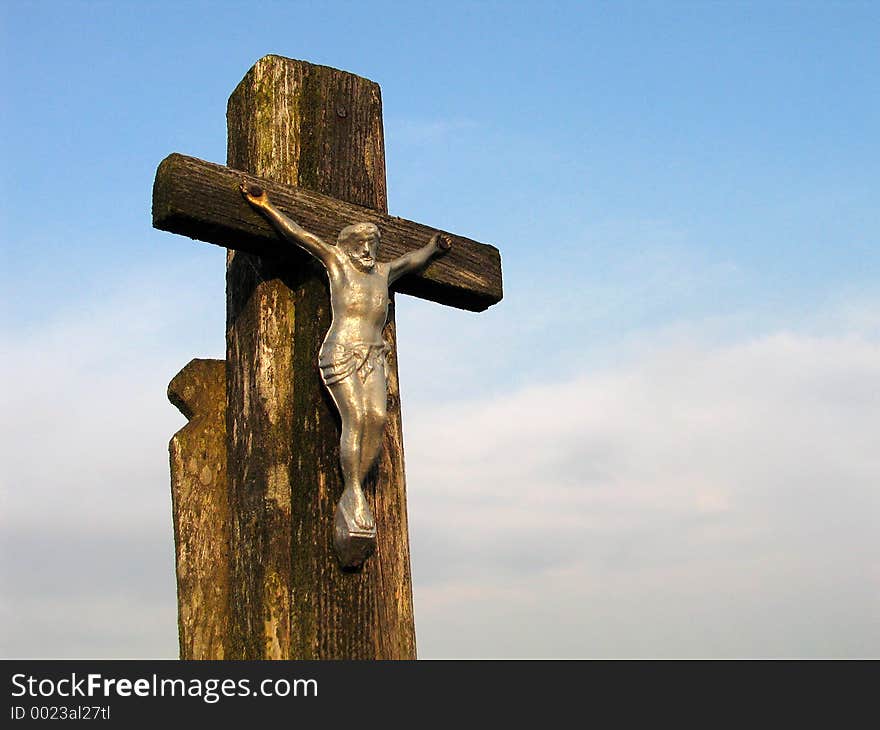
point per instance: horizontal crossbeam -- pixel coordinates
(202, 200)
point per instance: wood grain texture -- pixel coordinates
(202, 200)
(316, 128)
(201, 510)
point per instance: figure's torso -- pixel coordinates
(359, 300)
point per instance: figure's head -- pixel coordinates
(361, 242)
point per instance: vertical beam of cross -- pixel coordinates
(321, 129)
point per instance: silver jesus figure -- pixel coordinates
(352, 359)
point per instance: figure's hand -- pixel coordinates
(254, 194)
(441, 242)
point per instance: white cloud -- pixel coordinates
(87, 567)
(717, 500)
(703, 499)
(88, 421)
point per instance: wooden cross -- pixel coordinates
(255, 472)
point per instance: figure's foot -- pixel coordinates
(354, 539)
(354, 502)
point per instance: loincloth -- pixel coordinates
(337, 361)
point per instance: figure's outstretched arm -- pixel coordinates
(288, 229)
(417, 260)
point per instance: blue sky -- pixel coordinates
(682, 193)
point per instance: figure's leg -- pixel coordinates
(375, 416)
(348, 396)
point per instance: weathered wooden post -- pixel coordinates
(201, 509)
(294, 127)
